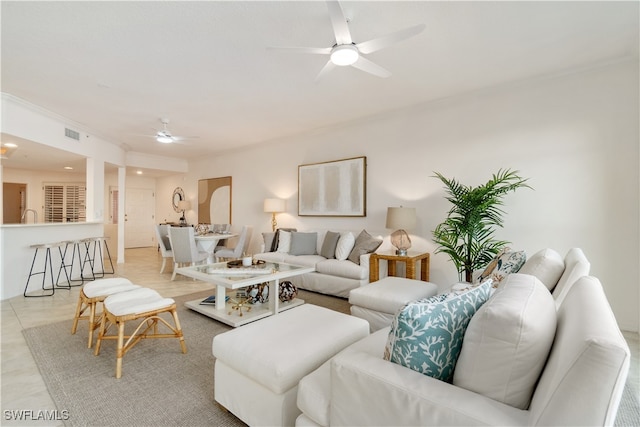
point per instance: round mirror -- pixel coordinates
(178, 195)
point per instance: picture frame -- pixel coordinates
(335, 188)
(214, 200)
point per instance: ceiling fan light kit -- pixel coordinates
(343, 55)
(164, 138)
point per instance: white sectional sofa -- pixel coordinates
(333, 276)
(577, 380)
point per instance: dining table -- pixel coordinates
(209, 241)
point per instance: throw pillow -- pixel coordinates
(268, 241)
(284, 241)
(329, 244)
(547, 265)
(507, 342)
(303, 243)
(276, 239)
(344, 246)
(505, 263)
(426, 335)
(365, 244)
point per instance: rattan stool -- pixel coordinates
(93, 293)
(140, 304)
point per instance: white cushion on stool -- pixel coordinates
(390, 294)
(104, 287)
(279, 350)
(136, 301)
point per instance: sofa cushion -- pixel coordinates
(505, 263)
(365, 244)
(303, 243)
(390, 294)
(272, 256)
(304, 260)
(329, 244)
(507, 342)
(576, 266)
(276, 239)
(345, 245)
(334, 267)
(426, 335)
(284, 241)
(547, 265)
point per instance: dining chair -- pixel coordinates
(242, 243)
(183, 246)
(162, 236)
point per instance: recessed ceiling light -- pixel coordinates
(139, 172)
(10, 144)
(69, 168)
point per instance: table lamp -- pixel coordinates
(184, 205)
(401, 219)
(273, 206)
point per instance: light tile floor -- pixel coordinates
(22, 386)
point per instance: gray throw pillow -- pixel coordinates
(365, 244)
(268, 240)
(329, 244)
(303, 243)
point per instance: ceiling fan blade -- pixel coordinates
(371, 68)
(339, 22)
(384, 41)
(312, 50)
(325, 70)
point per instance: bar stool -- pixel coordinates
(48, 266)
(93, 293)
(77, 250)
(145, 304)
(92, 259)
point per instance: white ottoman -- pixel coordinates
(379, 301)
(258, 366)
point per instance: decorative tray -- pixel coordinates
(238, 263)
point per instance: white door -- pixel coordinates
(139, 218)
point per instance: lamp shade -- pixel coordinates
(401, 218)
(184, 205)
(273, 205)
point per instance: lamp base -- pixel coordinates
(401, 252)
(183, 220)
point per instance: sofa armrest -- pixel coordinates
(367, 390)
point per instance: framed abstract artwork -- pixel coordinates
(214, 200)
(336, 188)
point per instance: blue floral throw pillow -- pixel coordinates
(426, 335)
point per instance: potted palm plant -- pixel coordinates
(467, 234)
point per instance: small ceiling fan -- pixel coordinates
(163, 136)
(345, 52)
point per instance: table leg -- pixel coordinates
(274, 298)
(424, 269)
(374, 268)
(411, 269)
(391, 265)
(221, 294)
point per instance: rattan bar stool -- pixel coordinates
(94, 293)
(142, 304)
(78, 248)
(47, 267)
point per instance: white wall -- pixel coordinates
(575, 137)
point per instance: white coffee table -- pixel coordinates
(235, 278)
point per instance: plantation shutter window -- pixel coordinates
(64, 202)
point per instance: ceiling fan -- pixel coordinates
(163, 136)
(345, 52)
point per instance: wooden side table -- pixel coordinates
(410, 260)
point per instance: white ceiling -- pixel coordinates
(116, 68)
